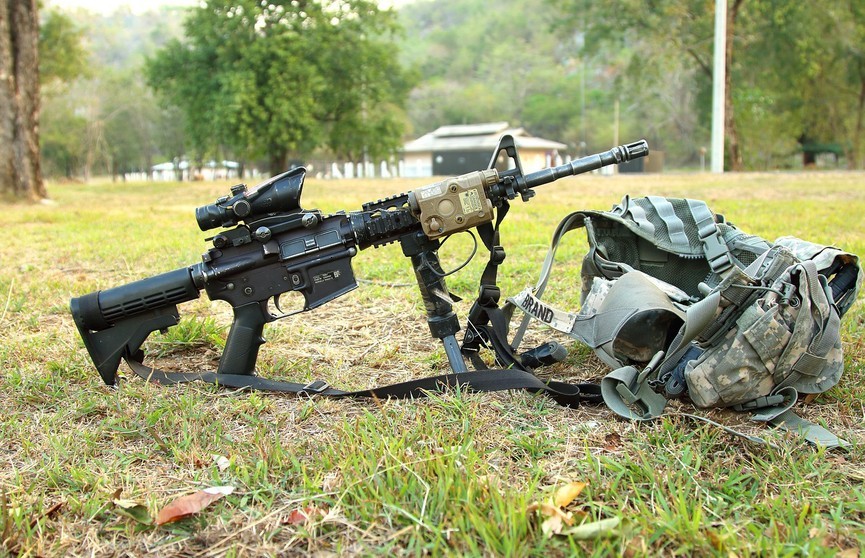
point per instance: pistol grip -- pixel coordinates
(244, 339)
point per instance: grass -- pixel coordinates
(450, 475)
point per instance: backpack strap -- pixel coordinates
(777, 410)
(573, 221)
(715, 247)
(486, 325)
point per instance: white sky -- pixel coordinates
(109, 6)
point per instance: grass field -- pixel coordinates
(84, 469)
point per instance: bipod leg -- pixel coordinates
(442, 320)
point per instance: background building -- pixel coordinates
(453, 150)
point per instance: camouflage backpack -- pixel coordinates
(679, 302)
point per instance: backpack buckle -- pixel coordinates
(489, 295)
(717, 252)
(497, 255)
(627, 392)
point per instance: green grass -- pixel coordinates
(449, 475)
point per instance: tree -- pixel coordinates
(655, 41)
(818, 52)
(489, 65)
(20, 171)
(62, 137)
(62, 58)
(284, 77)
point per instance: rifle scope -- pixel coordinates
(280, 194)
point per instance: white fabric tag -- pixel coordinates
(553, 317)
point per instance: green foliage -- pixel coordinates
(249, 81)
(62, 55)
(480, 64)
(272, 79)
(797, 71)
(103, 120)
(817, 50)
(61, 137)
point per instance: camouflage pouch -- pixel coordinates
(788, 337)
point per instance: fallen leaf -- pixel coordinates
(191, 503)
(331, 482)
(613, 441)
(299, 516)
(48, 513)
(849, 553)
(715, 540)
(552, 525)
(133, 510)
(556, 517)
(594, 529)
(566, 494)
(222, 462)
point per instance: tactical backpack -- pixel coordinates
(679, 302)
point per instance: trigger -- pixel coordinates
(276, 304)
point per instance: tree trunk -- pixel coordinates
(731, 132)
(20, 171)
(278, 161)
(855, 151)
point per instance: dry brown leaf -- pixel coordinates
(612, 441)
(556, 517)
(299, 516)
(566, 494)
(552, 525)
(191, 503)
(47, 513)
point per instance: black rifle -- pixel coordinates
(271, 246)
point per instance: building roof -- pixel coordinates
(477, 137)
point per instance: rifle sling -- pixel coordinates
(569, 395)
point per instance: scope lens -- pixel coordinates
(212, 216)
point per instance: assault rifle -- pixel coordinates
(269, 245)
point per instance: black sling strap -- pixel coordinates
(569, 395)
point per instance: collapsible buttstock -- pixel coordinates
(124, 339)
(114, 323)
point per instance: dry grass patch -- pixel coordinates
(453, 474)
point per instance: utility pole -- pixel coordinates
(616, 129)
(718, 81)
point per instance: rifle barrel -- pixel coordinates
(616, 155)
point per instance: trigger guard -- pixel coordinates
(282, 313)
